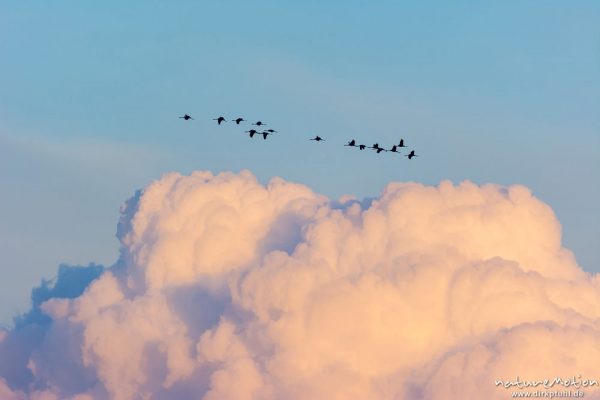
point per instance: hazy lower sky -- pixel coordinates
(90, 92)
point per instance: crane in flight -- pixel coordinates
(265, 134)
(219, 120)
(186, 117)
(377, 148)
(252, 132)
(411, 155)
(317, 139)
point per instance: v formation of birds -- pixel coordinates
(352, 143)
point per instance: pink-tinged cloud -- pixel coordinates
(228, 289)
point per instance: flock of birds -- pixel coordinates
(352, 143)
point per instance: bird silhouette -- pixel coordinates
(351, 143)
(238, 120)
(271, 131)
(394, 149)
(317, 138)
(186, 117)
(362, 146)
(377, 148)
(252, 132)
(411, 155)
(401, 143)
(265, 134)
(219, 120)
(259, 123)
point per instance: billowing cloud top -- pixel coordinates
(228, 289)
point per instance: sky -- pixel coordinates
(91, 92)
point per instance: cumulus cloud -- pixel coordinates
(228, 289)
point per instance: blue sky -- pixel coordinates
(90, 92)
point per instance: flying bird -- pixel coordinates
(271, 131)
(411, 155)
(186, 117)
(317, 138)
(259, 123)
(351, 143)
(361, 146)
(238, 120)
(252, 132)
(377, 148)
(401, 143)
(219, 120)
(265, 134)
(394, 149)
